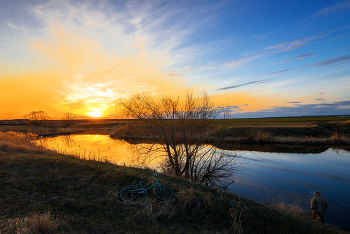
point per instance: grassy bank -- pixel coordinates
(294, 130)
(63, 194)
(311, 131)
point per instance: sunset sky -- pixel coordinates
(260, 58)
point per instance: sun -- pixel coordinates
(95, 113)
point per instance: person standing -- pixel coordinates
(319, 206)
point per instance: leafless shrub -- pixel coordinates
(179, 126)
(37, 117)
(68, 119)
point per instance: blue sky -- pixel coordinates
(261, 58)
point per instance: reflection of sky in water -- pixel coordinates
(279, 176)
(265, 176)
(98, 147)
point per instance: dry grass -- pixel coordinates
(36, 224)
(33, 143)
(335, 139)
(84, 195)
(131, 130)
(293, 209)
(260, 131)
(236, 213)
(20, 141)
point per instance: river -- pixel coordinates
(265, 175)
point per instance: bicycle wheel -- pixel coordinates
(128, 193)
(163, 192)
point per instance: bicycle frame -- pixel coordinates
(144, 190)
(131, 191)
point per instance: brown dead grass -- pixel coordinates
(84, 194)
(20, 141)
(37, 224)
(293, 209)
(335, 139)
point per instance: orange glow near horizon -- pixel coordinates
(95, 114)
(80, 77)
(68, 70)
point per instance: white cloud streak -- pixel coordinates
(341, 6)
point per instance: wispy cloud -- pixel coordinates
(341, 6)
(298, 57)
(332, 61)
(286, 46)
(261, 36)
(335, 108)
(325, 63)
(239, 62)
(337, 37)
(248, 83)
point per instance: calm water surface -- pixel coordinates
(265, 176)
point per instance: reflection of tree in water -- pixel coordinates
(179, 126)
(215, 167)
(68, 141)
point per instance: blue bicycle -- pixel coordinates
(130, 192)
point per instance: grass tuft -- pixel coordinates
(294, 209)
(37, 224)
(20, 141)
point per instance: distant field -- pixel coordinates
(289, 119)
(297, 122)
(249, 130)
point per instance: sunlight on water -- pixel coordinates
(100, 148)
(262, 176)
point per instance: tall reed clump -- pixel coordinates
(188, 206)
(293, 209)
(35, 224)
(335, 139)
(236, 213)
(20, 141)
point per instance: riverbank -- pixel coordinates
(294, 131)
(63, 194)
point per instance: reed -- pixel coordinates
(21, 141)
(33, 143)
(294, 209)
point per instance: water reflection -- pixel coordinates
(275, 176)
(265, 174)
(100, 148)
(282, 148)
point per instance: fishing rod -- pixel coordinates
(305, 186)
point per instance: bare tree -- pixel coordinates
(180, 126)
(226, 112)
(68, 119)
(37, 117)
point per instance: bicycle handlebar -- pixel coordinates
(155, 172)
